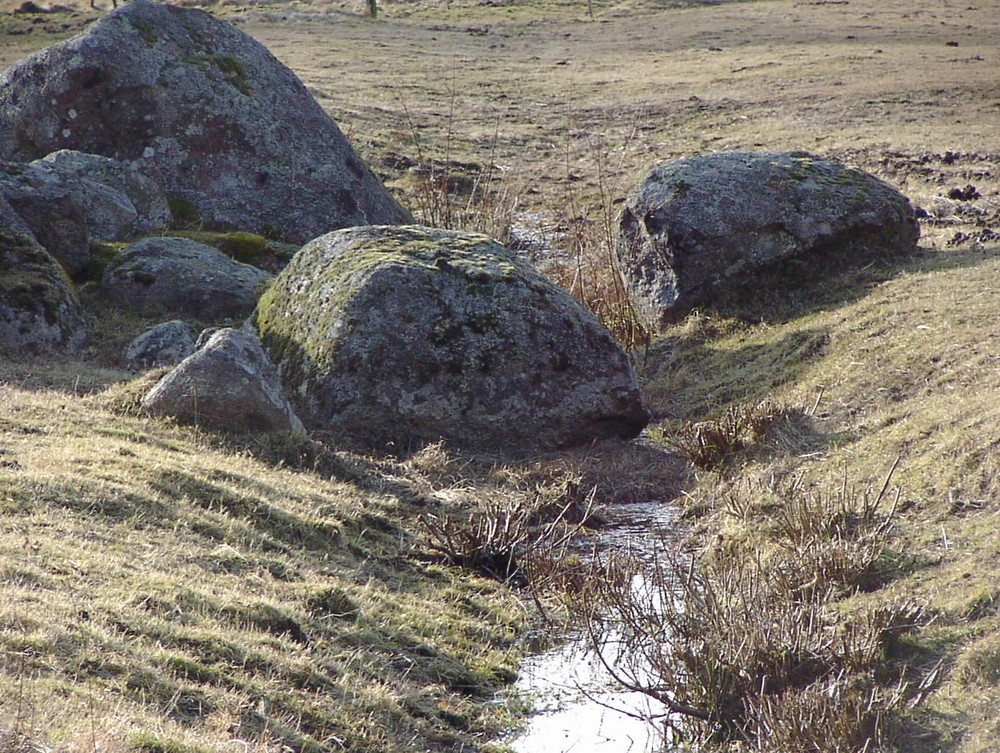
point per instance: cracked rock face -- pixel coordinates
(229, 133)
(402, 335)
(699, 226)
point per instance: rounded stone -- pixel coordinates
(400, 335)
(702, 225)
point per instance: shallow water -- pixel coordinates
(578, 705)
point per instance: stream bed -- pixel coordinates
(577, 704)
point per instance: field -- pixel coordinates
(165, 589)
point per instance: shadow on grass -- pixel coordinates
(815, 283)
(690, 379)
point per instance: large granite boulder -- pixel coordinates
(701, 225)
(408, 334)
(65, 210)
(228, 132)
(182, 278)
(39, 311)
(227, 384)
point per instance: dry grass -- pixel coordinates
(158, 590)
(897, 369)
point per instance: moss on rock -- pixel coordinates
(406, 334)
(39, 310)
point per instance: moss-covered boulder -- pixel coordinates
(703, 225)
(408, 334)
(182, 278)
(228, 132)
(39, 311)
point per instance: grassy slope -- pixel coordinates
(902, 363)
(160, 586)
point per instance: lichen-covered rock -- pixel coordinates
(409, 334)
(183, 278)
(39, 311)
(228, 132)
(66, 210)
(163, 345)
(227, 384)
(698, 226)
(149, 202)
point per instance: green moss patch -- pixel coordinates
(231, 68)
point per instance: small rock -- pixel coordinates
(163, 345)
(229, 384)
(29, 7)
(969, 193)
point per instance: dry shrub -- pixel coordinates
(742, 645)
(711, 443)
(591, 275)
(841, 715)
(15, 742)
(827, 542)
(476, 198)
(497, 539)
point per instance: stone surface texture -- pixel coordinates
(227, 131)
(39, 311)
(65, 210)
(163, 345)
(228, 384)
(701, 225)
(149, 202)
(400, 335)
(182, 278)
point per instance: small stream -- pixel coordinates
(577, 704)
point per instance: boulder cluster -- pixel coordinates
(158, 118)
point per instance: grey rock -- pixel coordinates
(39, 311)
(702, 225)
(206, 335)
(182, 278)
(148, 200)
(230, 134)
(228, 384)
(65, 211)
(410, 334)
(163, 345)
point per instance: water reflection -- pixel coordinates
(578, 706)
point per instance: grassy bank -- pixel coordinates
(168, 590)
